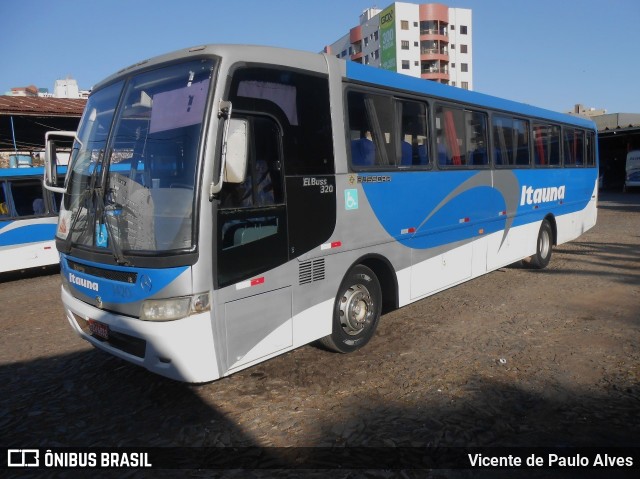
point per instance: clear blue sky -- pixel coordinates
(549, 53)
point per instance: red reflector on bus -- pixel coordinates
(250, 282)
(407, 231)
(335, 244)
(464, 220)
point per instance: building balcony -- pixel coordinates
(435, 70)
(439, 76)
(429, 54)
(357, 57)
(433, 31)
(438, 37)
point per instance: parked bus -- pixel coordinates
(28, 219)
(226, 204)
(632, 170)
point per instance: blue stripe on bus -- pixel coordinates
(149, 281)
(29, 233)
(432, 209)
(32, 171)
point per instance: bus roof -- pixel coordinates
(235, 53)
(354, 71)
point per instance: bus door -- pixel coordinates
(251, 243)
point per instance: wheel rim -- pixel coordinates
(356, 309)
(544, 244)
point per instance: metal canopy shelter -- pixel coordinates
(618, 133)
(25, 120)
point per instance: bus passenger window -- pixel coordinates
(414, 146)
(28, 198)
(573, 147)
(546, 145)
(461, 136)
(477, 139)
(371, 130)
(449, 130)
(4, 205)
(510, 141)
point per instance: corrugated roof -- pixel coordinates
(617, 121)
(27, 105)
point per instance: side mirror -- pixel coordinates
(237, 151)
(51, 160)
(234, 149)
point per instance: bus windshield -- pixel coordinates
(133, 168)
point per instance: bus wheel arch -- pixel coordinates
(387, 278)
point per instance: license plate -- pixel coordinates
(99, 329)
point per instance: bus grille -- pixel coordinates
(122, 276)
(311, 271)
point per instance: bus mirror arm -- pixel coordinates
(224, 111)
(51, 161)
(234, 152)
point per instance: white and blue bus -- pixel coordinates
(226, 204)
(28, 219)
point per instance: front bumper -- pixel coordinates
(183, 350)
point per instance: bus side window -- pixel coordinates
(573, 147)
(28, 198)
(546, 144)
(4, 204)
(371, 129)
(510, 141)
(461, 136)
(476, 139)
(414, 145)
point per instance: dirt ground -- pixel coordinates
(515, 358)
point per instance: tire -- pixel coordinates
(544, 246)
(356, 311)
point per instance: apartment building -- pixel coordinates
(430, 41)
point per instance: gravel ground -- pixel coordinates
(515, 358)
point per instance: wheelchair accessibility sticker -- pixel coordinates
(351, 199)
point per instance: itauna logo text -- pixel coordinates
(534, 196)
(85, 283)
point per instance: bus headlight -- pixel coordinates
(174, 308)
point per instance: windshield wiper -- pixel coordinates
(83, 198)
(85, 195)
(95, 211)
(112, 242)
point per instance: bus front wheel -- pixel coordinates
(544, 246)
(356, 311)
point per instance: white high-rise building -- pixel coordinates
(67, 88)
(430, 41)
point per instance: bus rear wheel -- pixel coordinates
(356, 311)
(544, 246)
